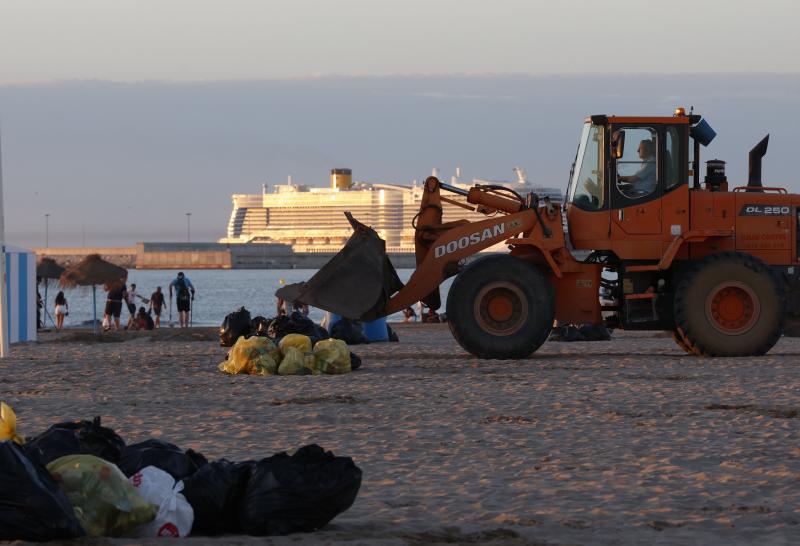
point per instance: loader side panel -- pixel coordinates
(578, 296)
(764, 226)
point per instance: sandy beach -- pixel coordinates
(623, 442)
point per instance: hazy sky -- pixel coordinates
(43, 40)
(119, 116)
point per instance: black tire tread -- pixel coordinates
(503, 262)
(686, 338)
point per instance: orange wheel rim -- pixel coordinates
(732, 308)
(501, 308)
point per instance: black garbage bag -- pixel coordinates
(164, 455)
(75, 438)
(235, 325)
(594, 332)
(296, 323)
(300, 493)
(32, 505)
(355, 361)
(349, 331)
(259, 326)
(214, 492)
(566, 332)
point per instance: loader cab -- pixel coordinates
(628, 189)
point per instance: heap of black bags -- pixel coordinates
(239, 323)
(277, 495)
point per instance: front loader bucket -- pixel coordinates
(356, 283)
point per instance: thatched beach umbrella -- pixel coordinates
(49, 270)
(91, 271)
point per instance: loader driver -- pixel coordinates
(643, 182)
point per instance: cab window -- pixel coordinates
(637, 172)
(672, 176)
(589, 183)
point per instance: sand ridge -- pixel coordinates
(623, 442)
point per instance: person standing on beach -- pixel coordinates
(131, 301)
(61, 311)
(116, 294)
(39, 306)
(157, 304)
(184, 295)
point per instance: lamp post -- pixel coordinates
(47, 230)
(188, 227)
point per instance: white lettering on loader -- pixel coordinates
(469, 240)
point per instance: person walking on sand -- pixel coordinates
(184, 295)
(156, 305)
(62, 310)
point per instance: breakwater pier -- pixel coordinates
(206, 256)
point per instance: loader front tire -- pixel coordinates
(729, 304)
(500, 307)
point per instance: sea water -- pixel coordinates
(218, 292)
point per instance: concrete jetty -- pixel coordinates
(206, 256)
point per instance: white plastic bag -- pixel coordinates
(175, 515)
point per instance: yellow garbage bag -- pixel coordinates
(8, 425)
(254, 355)
(105, 503)
(332, 356)
(295, 363)
(298, 341)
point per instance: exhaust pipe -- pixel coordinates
(754, 166)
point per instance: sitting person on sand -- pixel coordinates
(409, 315)
(143, 320)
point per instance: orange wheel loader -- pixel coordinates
(715, 265)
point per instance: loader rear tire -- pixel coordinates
(501, 307)
(729, 304)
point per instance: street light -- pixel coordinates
(47, 230)
(188, 227)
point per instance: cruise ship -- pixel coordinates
(311, 219)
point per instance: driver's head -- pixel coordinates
(646, 149)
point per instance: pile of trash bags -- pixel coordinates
(81, 479)
(294, 354)
(353, 332)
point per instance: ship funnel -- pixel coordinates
(754, 167)
(341, 179)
